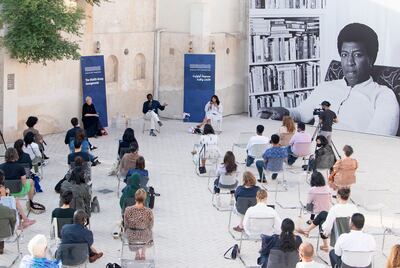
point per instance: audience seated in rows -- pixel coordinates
(299, 138)
(79, 153)
(209, 143)
(37, 248)
(274, 158)
(8, 220)
(140, 168)
(128, 140)
(325, 219)
(228, 167)
(257, 139)
(65, 211)
(77, 233)
(249, 189)
(81, 192)
(285, 241)
(14, 171)
(38, 139)
(128, 160)
(23, 158)
(344, 170)
(80, 137)
(138, 223)
(287, 130)
(32, 148)
(261, 210)
(71, 133)
(306, 254)
(324, 157)
(355, 241)
(319, 196)
(393, 260)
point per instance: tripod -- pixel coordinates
(317, 130)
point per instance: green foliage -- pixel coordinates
(38, 30)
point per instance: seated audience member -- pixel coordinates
(128, 140)
(32, 148)
(140, 168)
(133, 184)
(81, 192)
(306, 254)
(138, 223)
(128, 161)
(393, 260)
(325, 220)
(37, 248)
(23, 158)
(38, 139)
(65, 211)
(71, 133)
(261, 210)
(12, 171)
(319, 197)
(276, 152)
(209, 141)
(80, 137)
(300, 137)
(5, 192)
(77, 233)
(344, 170)
(8, 219)
(248, 189)
(287, 130)
(84, 155)
(357, 241)
(228, 167)
(324, 157)
(257, 139)
(286, 241)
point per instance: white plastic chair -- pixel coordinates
(224, 190)
(146, 125)
(354, 259)
(240, 208)
(12, 237)
(128, 258)
(242, 141)
(217, 124)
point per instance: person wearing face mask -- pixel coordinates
(324, 157)
(361, 103)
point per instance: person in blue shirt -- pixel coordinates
(150, 110)
(276, 152)
(77, 233)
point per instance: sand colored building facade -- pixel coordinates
(143, 43)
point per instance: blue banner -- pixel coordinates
(199, 84)
(94, 85)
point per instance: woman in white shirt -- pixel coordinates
(261, 210)
(225, 173)
(213, 111)
(209, 149)
(32, 148)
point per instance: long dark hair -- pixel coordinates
(230, 162)
(323, 140)
(78, 175)
(80, 135)
(18, 144)
(216, 97)
(29, 138)
(129, 135)
(288, 239)
(317, 179)
(208, 129)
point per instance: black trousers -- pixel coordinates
(319, 220)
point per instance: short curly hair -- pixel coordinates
(31, 121)
(360, 33)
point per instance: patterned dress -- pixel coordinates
(138, 224)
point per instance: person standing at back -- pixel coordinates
(257, 139)
(326, 120)
(150, 110)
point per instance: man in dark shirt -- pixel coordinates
(150, 110)
(326, 120)
(77, 233)
(85, 156)
(65, 211)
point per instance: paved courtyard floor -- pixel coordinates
(188, 230)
